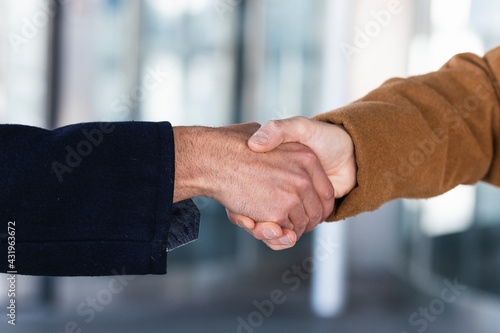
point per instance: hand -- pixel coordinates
(287, 185)
(331, 143)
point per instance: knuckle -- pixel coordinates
(299, 119)
(303, 182)
(274, 124)
(319, 215)
(302, 126)
(315, 221)
(280, 219)
(289, 200)
(309, 157)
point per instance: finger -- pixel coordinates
(299, 219)
(261, 230)
(324, 190)
(240, 220)
(275, 132)
(266, 231)
(316, 190)
(249, 224)
(279, 239)
(313, 208)
(288, 240)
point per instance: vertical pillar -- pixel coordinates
(329, 246)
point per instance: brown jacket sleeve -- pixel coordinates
(421, 136)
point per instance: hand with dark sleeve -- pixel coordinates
(112, 198)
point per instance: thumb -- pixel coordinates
(275, 132)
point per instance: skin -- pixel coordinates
(331, 143)
(286, 188)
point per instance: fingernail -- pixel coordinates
(270, 234)
(260, 138)
(286, 240)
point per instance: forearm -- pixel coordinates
(422, 136)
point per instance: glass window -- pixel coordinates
(283, 72)
(205, 59)
(191, 48)
(23, 66)
(100, 61)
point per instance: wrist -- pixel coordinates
(190, 161)
(207, 159)
(202, 155)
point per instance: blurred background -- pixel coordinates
(411, 266)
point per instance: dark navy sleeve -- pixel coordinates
(90, 199)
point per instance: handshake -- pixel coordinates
(277, 181)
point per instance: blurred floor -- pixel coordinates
(378, 302)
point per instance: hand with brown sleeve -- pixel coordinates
(413, 138)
